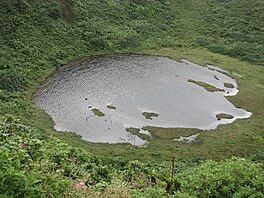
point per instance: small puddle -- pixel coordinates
(103, 96)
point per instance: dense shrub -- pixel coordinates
(11, 80)
(98, 43)
(235, 25)
(219, 49)
(34, 164)
(129, 41)
(231, 178)
(21, 174)
(202, 41)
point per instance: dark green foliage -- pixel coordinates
(98, 43)
(111, 107)
(21, 151)
(34, 164)
(233, 178)
(222, 49)
(129, 41)
(235, 28)
(97, 112)
(11, 80)
(202, 41)
(229, 85)
(54, 11)
(258, 156)
(41, 31)
(223, 116)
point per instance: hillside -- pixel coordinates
(71, 29)
(39, 36)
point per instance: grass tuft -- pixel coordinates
(229, 85)
(150, 115)
(97, 112)
(111, 107)
(206, 86)
(224, 116)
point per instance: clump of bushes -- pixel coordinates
(34, 164)
(231, 178)
(233, 28)
(11, 80)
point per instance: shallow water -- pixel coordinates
(134, 84)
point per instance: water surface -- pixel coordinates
(135, 84)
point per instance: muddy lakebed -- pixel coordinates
(99, 98)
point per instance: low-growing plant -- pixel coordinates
(231, 178)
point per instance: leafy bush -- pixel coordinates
(222, 49)
(21, 173)
(98, 43)
(149, 193)
(129, 41)
(232, 178)
(11, 81)
(33, 164)
(202, 41)
(235, 25)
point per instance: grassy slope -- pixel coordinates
(40, 36)
(235, 28)
(31, 166)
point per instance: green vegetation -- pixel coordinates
(111, 107)
(35, 164)
(38, 37)
(207, 86)
(97, 112)
(234, 28)
(136, 131)
(132, 130)
(224, 179)
(229, 85)
(159, 133)
(150, 115)
(223, 116)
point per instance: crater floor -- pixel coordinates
(101, 97)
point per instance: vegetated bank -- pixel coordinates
(35, 164)
(36, 37)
